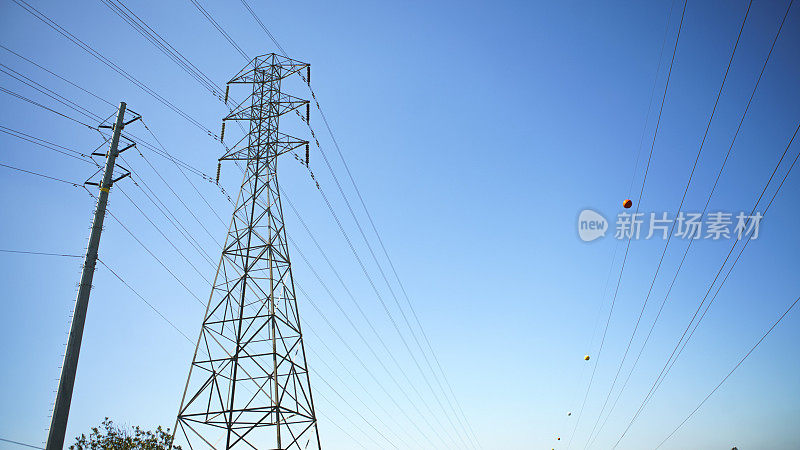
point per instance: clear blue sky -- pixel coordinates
(476, 131)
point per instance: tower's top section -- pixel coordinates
(279, 65)
(263, 105)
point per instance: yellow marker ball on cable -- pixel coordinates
(586, 358)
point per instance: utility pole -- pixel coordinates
(58, 425)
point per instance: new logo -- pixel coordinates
(591, 225)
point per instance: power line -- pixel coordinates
(340, 414)
(40, 175)
(225, 34)
(219, 28)
(58, 76)
(163, 265)
(344, 366)
(175, 194)
(730, 269)
(263, 27)
(67, 255)
(652, 95)
(391, 291)
(22, 97)
(20, 443)
(630, 238)
(364, 366)
(150, 252)
(385, 309)
(674, 223)
(711, 193)
(144, 300)
(142, 212)
(171, 218)
(358, 413)
(178, 279)
(350, 321)
(603, 293)
(199, 273)
(113, 66)
(380, 269)
(358, 307)
(38, 87)
(175, 55)
(731, 372)
(347, 385)
(46, 144)
(124, 282)
(166, 155)
(170, 323)
(380, 240)
(676, 352)
(180, 169)
(261, 24)
(43, 89)
(350, 436)
(161, 151)
(160, 43)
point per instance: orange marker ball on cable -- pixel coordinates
(627, 203)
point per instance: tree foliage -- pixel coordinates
(114, 437)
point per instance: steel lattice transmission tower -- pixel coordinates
(248, 385)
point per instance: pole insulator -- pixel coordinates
(222, 134)
(307, 154)
(227, 89)
(308, 113)
(219, 168)
(308, 75)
